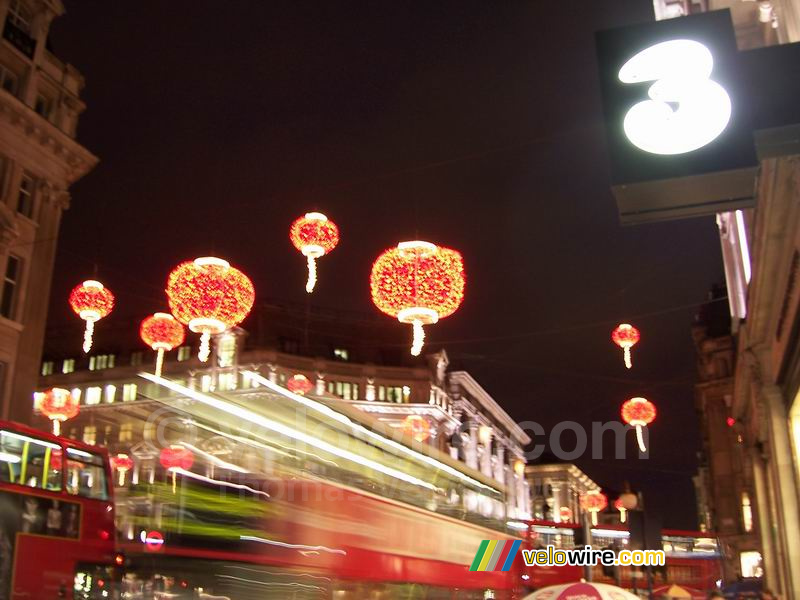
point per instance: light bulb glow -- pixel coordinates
(680, 70)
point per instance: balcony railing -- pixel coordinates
(19, 39)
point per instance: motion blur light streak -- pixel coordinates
(248, 416)
(321, 408)
(260, 540)
(238, 486)
(214, 459)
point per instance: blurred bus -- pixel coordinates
(693, 557)
(286, 497)
(56, 517)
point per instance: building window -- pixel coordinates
(184, 353)
(341, 353)
(90, 435)
(20, 16)
(111, 393)
(226, 351)
(25, 196)
(8, 300)
(93, 395)
(126, 432)
(136, 358)
(128, 392)
(226, 381)
(747, 512)
(101, 361)
(47, 368)
(750, 562)
(43, 106)
(76, 393)
(68, 366)
(29, 461)
(205, 383)
(8, 80)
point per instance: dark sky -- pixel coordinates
(471, 124)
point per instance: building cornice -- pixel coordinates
(474, 389)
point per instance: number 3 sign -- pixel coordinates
(686, 109)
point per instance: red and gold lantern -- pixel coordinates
(174, 458)
(122, 463)
(210, 296)
(594, 502)
(623, 512)
(91, 301)
(162, 332)
(417, 428)
(299, 384)
(418, 283)
(626, 336)
(639, 412)
(315, 235)
(58, 405)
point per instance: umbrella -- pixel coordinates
(681, 593)
(582, 591)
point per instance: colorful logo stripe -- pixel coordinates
(495, 555)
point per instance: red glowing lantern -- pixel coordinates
(417, 428)
(174, 458)
(122, 463)
(565, 514)
(639, 412)
(162, 332)
(594, 502)
(299, 384)
(626, 337)
(315, 236)
(91, 301)
(418, 283)
(58, 405)
(623, 512)
(210, 296)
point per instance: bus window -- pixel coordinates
(28, 461)
(86, 475)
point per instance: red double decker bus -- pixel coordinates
(56, 517)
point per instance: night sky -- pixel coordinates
(476, 125)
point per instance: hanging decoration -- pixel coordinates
(173, 458)
(626, 337)
(565, 514)
(417, 427)
(210, 296)
(419, 283)
(122, 463)
(623, 512)
(639, 412)
(91, 301)
(58, 405)
(594, 502)
(299, 384)
(315, 236)
(162, 332)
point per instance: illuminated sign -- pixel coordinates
(153, 540)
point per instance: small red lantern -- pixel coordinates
(58, 405)
(162, 332)
(626, 337)
(299, 384)
(623, 512)
(122, 463)
(174, 458)
(91, 301)
(418, 283)
(417, 428)
(210, 296)
(639, 412)
(565, 514)
(594, 502)
(315, 236)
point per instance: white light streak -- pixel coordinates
(238, 486)
(743, 248)
(260, 540)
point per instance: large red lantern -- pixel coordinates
(594, 502)
(315, 236)
(299, 384)
(417, 428)
(626, 337)
(418, 283)
(639, 412)
(58, 405)
(122, 463)
(91, 301)
(210, 296)
(174, 458)
(162, 332)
